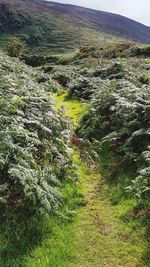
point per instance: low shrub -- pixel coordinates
(33, 141)
(15, 47)
(120, 117)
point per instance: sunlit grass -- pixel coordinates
(96, 228)
(73, 109)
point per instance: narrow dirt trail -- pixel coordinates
(102, 238)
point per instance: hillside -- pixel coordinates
(74, 137)
(102, 21)
(58, 191)
(59, 27)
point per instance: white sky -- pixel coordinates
(138, 10)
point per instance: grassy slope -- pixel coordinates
(51, 30)
(59, 28)
(102, 234)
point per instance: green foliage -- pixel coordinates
(144, 79)
(33, 141)
(140, 51)
(67, 58)
(120, 116)
(43, 240)
(107, 50)
(88, 82)
(15, 47)
(119, 110)
(141, 185)
(114, 50)
(82, 87)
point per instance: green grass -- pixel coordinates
(73, 109)
(96, 229)
(40, 241)
(106, 234)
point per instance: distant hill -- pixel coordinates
(102, 21)
(62, 26)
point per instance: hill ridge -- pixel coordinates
(68, 25)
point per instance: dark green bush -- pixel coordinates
(15, 47)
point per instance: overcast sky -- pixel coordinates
(135, 9)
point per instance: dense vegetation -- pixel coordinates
(115, 79)
(34, 153)
(54, 205)
(119, 118)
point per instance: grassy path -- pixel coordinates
(99, 235)
(102, 237)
